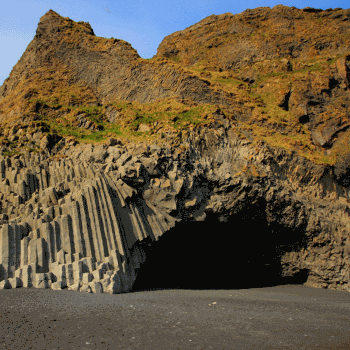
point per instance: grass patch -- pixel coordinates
(162, 117)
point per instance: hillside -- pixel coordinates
(69, 81)
(294, 62)
(241, 121)
(281, 75)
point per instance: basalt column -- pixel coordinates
(88, 243)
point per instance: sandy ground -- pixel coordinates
(281, 317)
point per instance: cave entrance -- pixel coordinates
(243, 252)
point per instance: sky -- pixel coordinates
(142, 23)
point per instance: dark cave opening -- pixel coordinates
(243, 252)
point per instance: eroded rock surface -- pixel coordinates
(72, 224)
(79, 222)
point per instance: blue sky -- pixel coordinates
(142, 23)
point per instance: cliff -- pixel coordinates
(238, 116)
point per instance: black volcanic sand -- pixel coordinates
(281, 317)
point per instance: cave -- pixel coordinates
(243, 252)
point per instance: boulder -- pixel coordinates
(15, 282)
(86, 288)
(75, 287)
(96, 287)
(5, 284)
(58, 285)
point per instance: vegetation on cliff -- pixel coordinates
(280, 75)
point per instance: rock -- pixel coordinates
(123, 160)
(98, 274)
(87, 277)
(37, 136)
(75, 287)
(83, 121)
(86, 288)
(49, 196)
(110, 167)
(58, 285)
(190, 202)
(99, 153)
(75, 215)
(141, 150)
(45, 142)
(15, 282)
(115, 287)
(150, 165)
(343, 67)
(96, 287)
(114, 154)
(42, 280)
(113, 142)
(342, 170)
(105, 283)
(5, 284)
(112, 115)
(132, 174)
(143, 128)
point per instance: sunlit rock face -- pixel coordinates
(243, 180)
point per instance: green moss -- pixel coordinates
(83, 134)
(93, 113)
(231, 81)
(175, 58)
(314, 68)
(11, 152)
(143, 119)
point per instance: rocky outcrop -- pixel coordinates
(281, 70)
(231, 42)
(73, 224)
(80, 222)
(72, 48)
(272, 143)
(295, 60)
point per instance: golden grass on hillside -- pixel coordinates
(167, 117)
(47, 97)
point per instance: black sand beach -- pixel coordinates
(281, 317)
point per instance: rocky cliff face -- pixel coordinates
(111, 68)
(231, 42)
(291, 59)
(263, 137)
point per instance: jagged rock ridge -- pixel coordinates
(110, 67)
